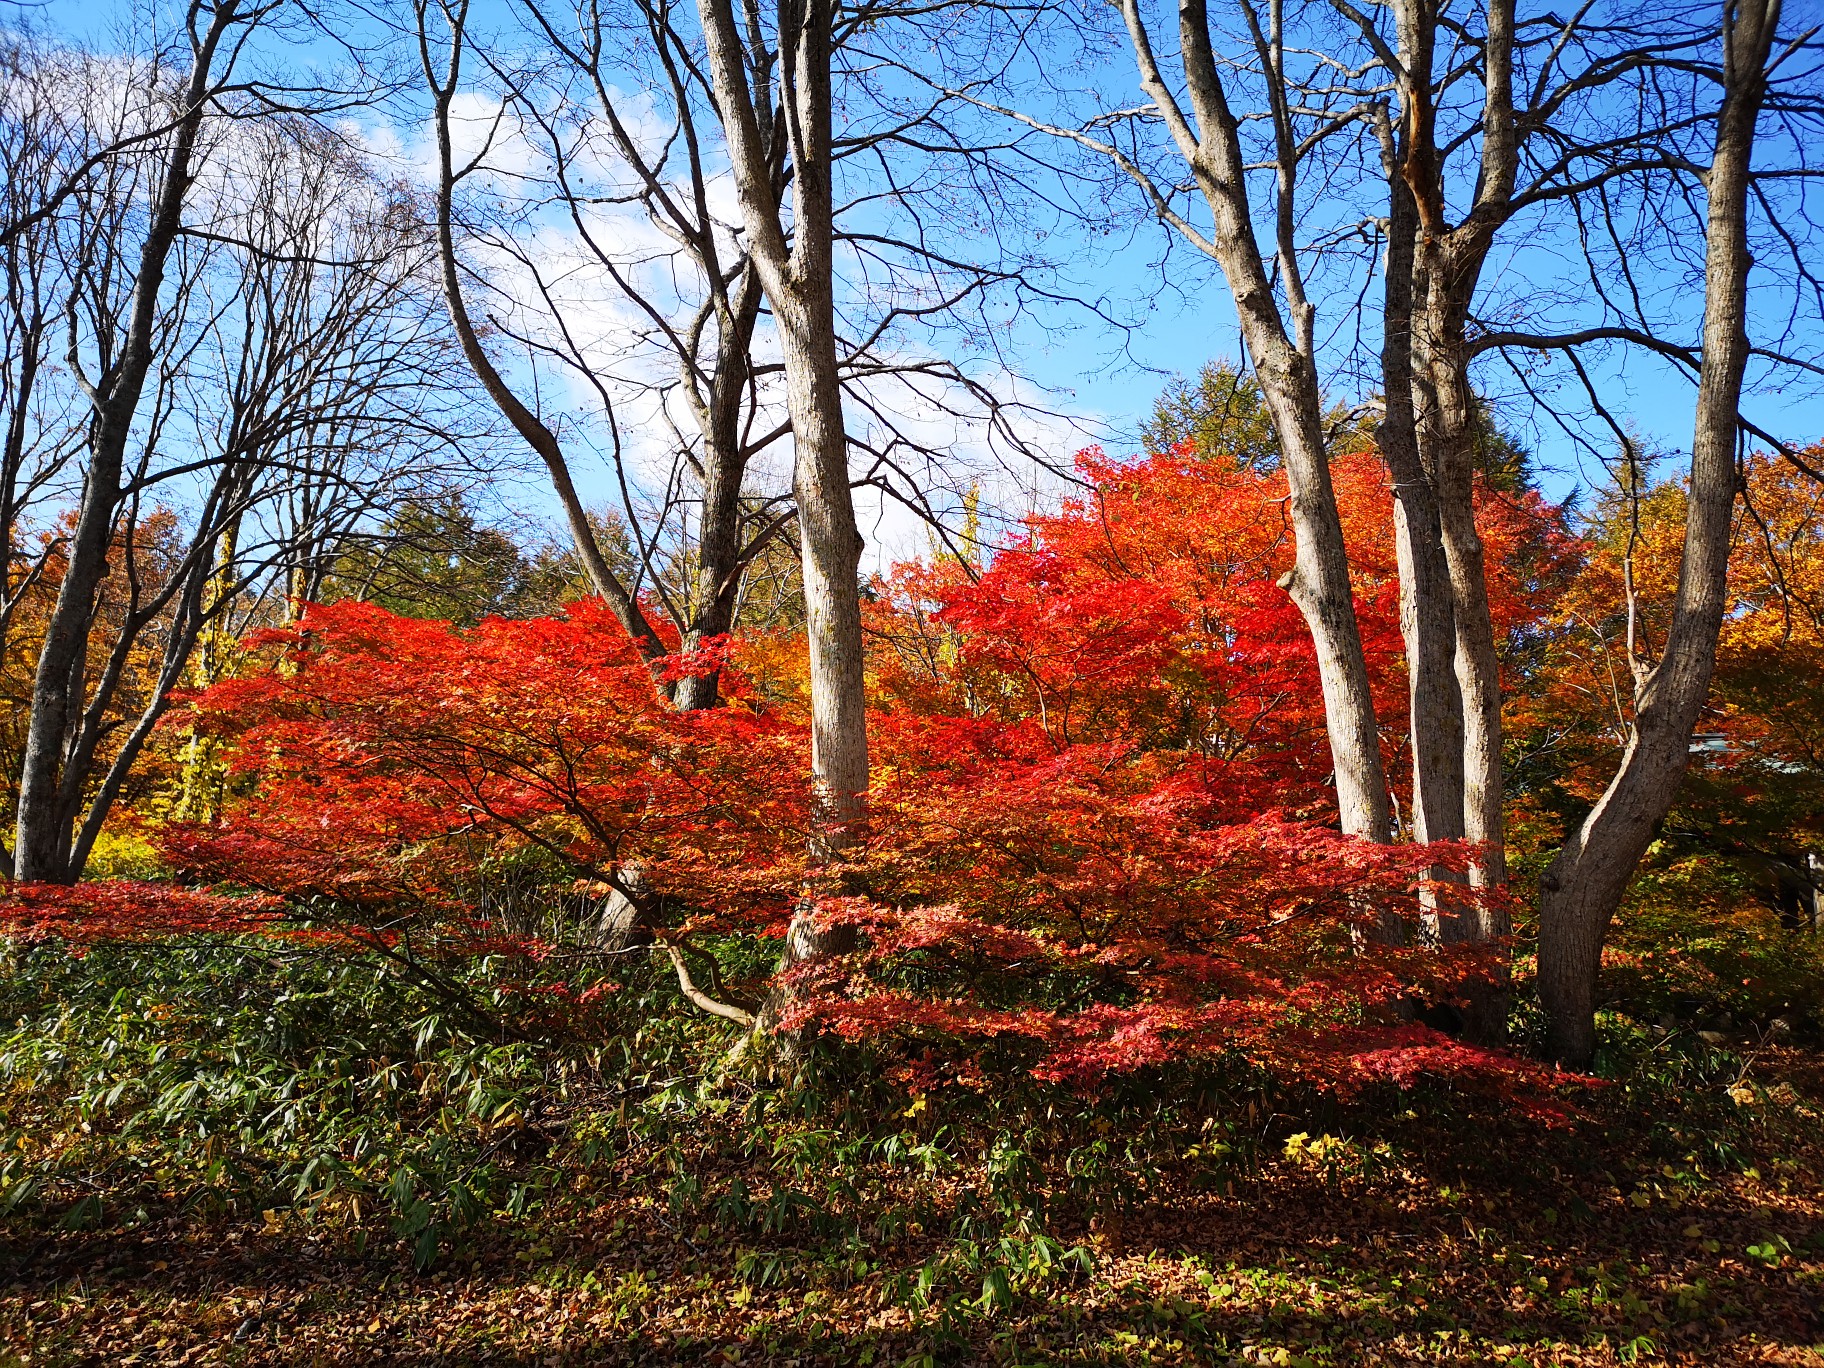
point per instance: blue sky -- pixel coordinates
(1110, 379)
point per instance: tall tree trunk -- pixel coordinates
(1585, 883)
(1451, 438)
(1319, 585)
(42, 844)
(1433, 271)
(832, 560)
(1427, 623)
(797, 274)
(1283, 351)
(1450, 269)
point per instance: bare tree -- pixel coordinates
(1498, 117)
(1584, 885)
(1267, 281)
(42, 429)
(41, 850)
(1465, 68)
(795, 262)
(234, 291)
(698, 300)
(441, 57)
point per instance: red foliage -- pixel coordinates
(393, 756)
(1149, 613)
(1097, 833)
(91, 913)
(1093, 905)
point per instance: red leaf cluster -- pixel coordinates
(1099, 828)
(120, 910)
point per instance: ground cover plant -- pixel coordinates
(594, 772)
(439, 1039)
(219, 1155)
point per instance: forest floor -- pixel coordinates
(1424, 1236)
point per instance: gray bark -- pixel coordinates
(797, 274)
(1451, 263)
(1432, 271)
(1430, 374)
(1427, 622)
(1584, 885)
(1284, 359)
(41, 852)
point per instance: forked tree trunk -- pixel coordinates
(1447, 266)
(1485, 1002)
(1433, 271)
(720, 561)
(1427, 624)
(798, 277)
(1585, 883)
(1448, 434)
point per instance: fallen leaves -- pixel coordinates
(1442, 1251)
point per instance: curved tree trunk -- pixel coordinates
(1585, 883)
(533, 430)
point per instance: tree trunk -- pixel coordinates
(720, 561)
(1425, 367)
(1585, 883)
(1427, 624)
(535, 432)
(832, 560)
(798, 280)
(1319, 586)
(1477, 921)
(718, 575)
(1447, 268)
(797, 275)
(1448, 436)
(1284, 358)
(42, 845)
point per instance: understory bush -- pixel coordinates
(330, 1089)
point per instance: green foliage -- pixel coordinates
(600, 1167)
(1694, 946)
(433, 557)
(325, 1087)
(1221, 412)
